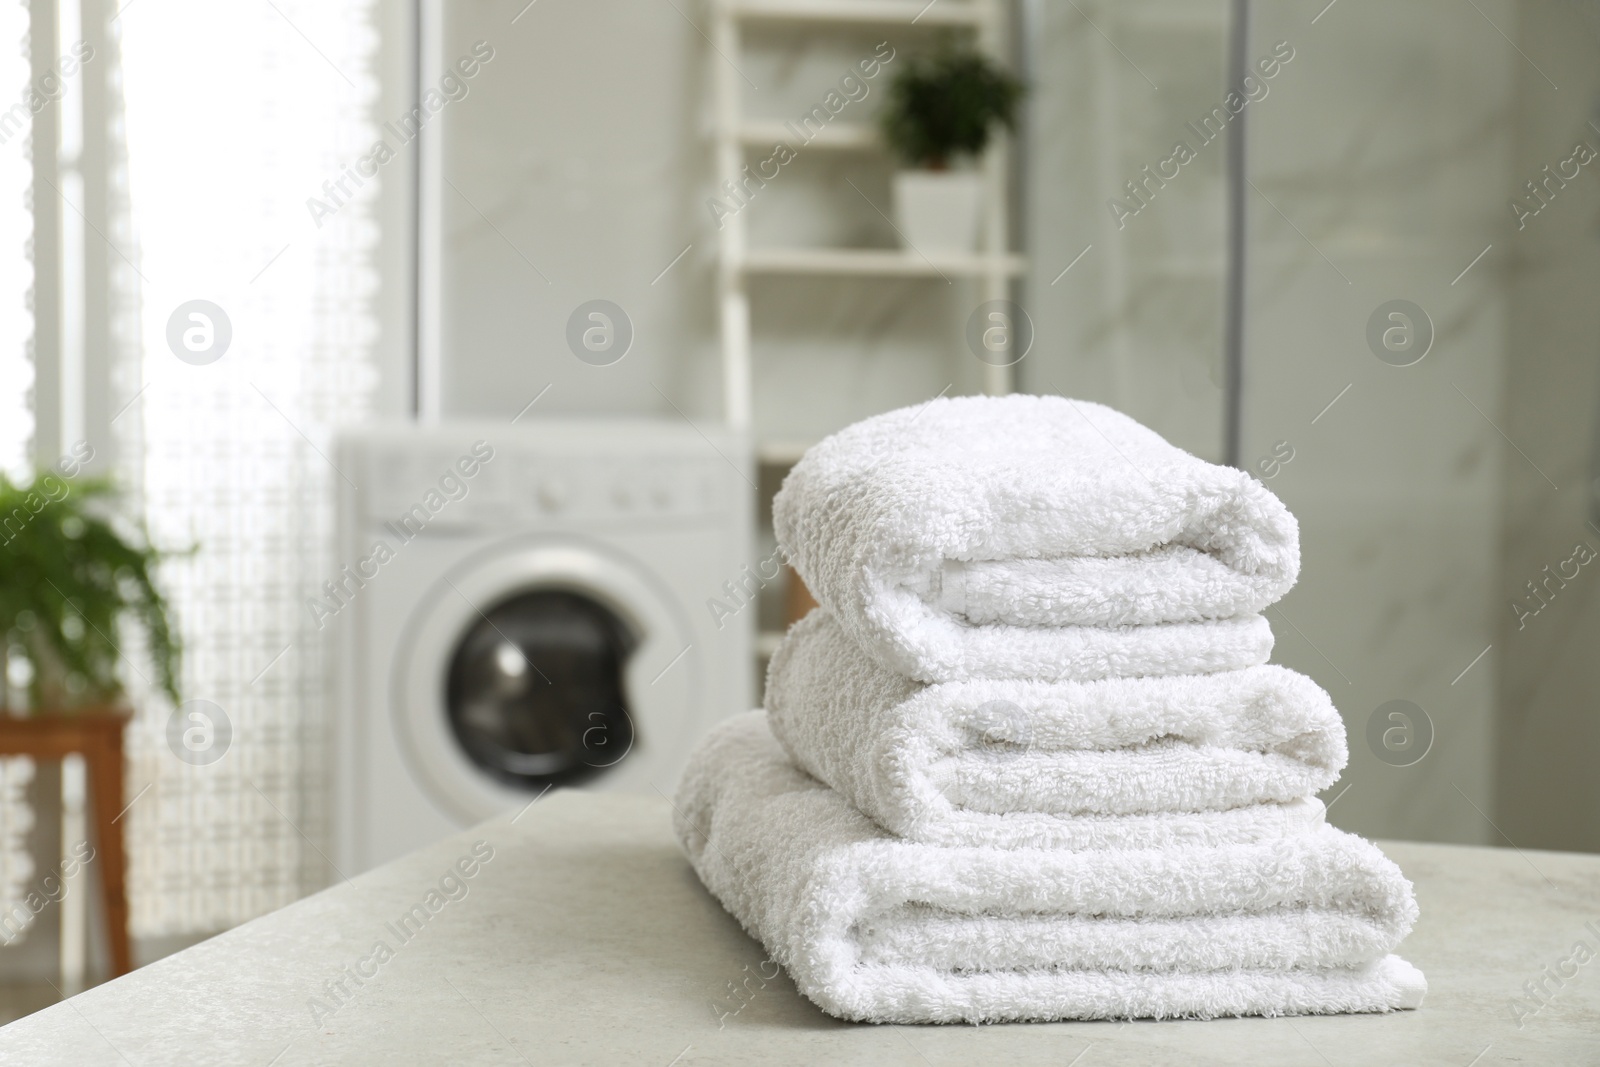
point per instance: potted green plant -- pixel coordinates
(70, 576)
(941, 112)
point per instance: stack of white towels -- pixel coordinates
(1028, 760)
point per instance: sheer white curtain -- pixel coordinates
(236, 115)
(16, 231)
(16, 414)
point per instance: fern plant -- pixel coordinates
(69, 579)
(946, 105)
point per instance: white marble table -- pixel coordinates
(586, 939)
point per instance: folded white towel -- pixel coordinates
(1035, 537)
(875, 928)
(1173, 583)
(1011, 763)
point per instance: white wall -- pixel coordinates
(585, 144)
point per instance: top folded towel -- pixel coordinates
(1035, 536)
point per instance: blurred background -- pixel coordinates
(406, 346)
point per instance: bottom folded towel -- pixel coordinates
(875, 928)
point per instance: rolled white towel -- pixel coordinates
(1035, 537)
(875, 928)
(1017, 763)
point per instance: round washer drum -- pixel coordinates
(536, 663)
(535, 691)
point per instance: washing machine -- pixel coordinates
(523, 607)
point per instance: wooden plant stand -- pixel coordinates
(96, 735)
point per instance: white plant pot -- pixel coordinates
(938, 210)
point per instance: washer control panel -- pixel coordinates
(598, 488)
(517, 487)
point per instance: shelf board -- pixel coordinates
(767, 642)
(881, 12)
(884, 262)
(851, 136)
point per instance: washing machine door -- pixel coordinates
(540, 663)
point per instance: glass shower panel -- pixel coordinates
(1547, 595)
(1420, 387)
(1126, 231)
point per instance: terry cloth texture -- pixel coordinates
(1035, 537)
(1018, 763)
(875, 928)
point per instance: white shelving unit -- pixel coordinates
(846, 136)
(887, 262)
(994, 267)
(867, 12)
